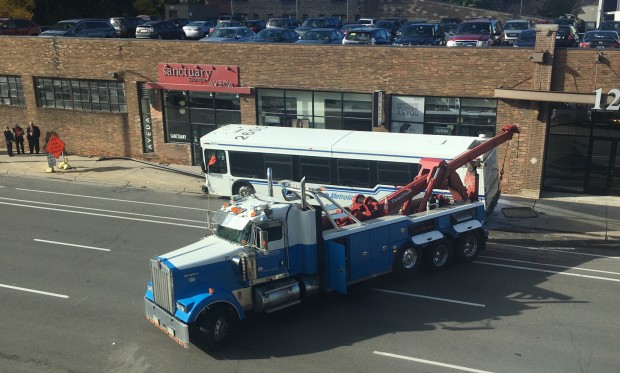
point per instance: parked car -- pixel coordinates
(526, 39)
(126, 26)
(513, 28)
(18, 26)
(179, 22)
(391, 26)
(369, 36)
(319, 22)
(571, 20)
(198, 29)
(290, 23)
(600, 39)
(231, 17)
(159, 30)
(275, 35)
(367, 22)
(83, 27)
(350, 26)
(566, 37)
(147, 17)
(256, 25)
(321, 36)
(481, 32)
(229, 35)
(422, 34)
(401, 21)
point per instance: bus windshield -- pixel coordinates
(231, 227)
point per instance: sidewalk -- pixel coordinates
(557, 214)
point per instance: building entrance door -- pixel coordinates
(604, 167)
(197, 132)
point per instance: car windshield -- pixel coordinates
(196, 24)
(420, 31)
(515, 26)
(314, 23)
(564, 21)
(358, 36)
(610, 25)
(316, 35)
(527, 36)
(600, 35)
(564, 30)
(268, 35)
(116, 22)
(231, 227)
(223, 33)
(63, 26)
(474, 28)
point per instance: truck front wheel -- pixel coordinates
(407, 260)
(469, 246)
(216, 327)
(244, 189)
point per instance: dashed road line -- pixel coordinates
(34, 291)
(71, 244)
(430, 362)
(431, 298)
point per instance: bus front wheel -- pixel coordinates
(244, 189)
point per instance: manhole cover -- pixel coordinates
(519, 212)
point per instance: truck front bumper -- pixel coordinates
(175, 329)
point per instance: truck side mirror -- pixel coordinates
(263, 238)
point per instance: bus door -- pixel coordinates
(604, 169)
(198, 131)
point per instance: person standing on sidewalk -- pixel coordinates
(32, 134)
(19, 138)
(8, 139)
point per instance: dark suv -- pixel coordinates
(84, 27)
(126, 26)
(320, 22)
(477, 33)
(12, 26)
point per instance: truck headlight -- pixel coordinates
(482, 43)
(450, 43)
(181, 307)
(149, 287)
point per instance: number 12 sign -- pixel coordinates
(615, 103)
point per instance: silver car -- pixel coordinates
(513, 28)
(197, 29)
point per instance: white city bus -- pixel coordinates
(344, 163)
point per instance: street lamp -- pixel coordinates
(231, 8)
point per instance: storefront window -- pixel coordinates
(329, 110)
(444, 115)
(189, 115)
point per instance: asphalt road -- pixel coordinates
(74, 260)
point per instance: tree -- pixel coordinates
(155, 7)
(17, 8)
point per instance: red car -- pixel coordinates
(14, 26)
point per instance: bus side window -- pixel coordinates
(353, 172)
(281, 166)
(220, 164)
(393, 173)
(273, 228)
(246, 164)
(315, 169)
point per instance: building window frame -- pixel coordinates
(11, 90)
(79, 94)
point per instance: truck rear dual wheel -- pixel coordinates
(439, 255)
(469, 246)
(407, 260)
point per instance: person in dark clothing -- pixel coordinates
(19, 139)
(32, 134)
(8, 139)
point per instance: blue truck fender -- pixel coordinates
(206, 300)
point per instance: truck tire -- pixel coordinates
(216, 327)
(469, 246)
(438, 255)
(244, 189)
(407, 260)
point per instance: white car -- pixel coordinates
(367, 22)
(197, 29)
(513, 28)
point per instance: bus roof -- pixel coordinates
(381, 146)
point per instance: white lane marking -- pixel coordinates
(549, 271)
(103, 210)
(427, 297)
(71, 244)
(34, 291)
(103, 215)
(550, 265)
(557, 249)
(109, 199)
(430, 362)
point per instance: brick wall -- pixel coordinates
(426, 71)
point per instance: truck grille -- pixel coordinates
(471, 43)
(162, 285)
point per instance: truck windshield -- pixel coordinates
(231, 227)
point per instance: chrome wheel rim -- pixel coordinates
(440, 255)
(220, 330)
(470, 246)
(410, 257)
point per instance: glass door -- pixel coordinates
(197, 132)
(602, 177)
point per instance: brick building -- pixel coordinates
(133, 98)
